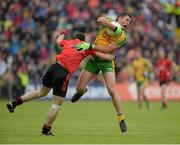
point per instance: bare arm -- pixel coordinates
(105, 22)
(105, 56)
(105, 49)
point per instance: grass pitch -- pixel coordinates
(90, 122)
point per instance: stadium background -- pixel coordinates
(27, 49)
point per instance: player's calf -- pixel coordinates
(78, 95)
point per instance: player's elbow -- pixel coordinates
(108, 50)
(60, 38)
(111, 57)
(100, 20)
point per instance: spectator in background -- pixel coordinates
(177, 75)
(177, 13)
(169, 9)
(3, 65)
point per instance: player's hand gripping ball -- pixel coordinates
(118, 30)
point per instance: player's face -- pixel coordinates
(124, 21)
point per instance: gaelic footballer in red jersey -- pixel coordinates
(57, 77)
(164, 72)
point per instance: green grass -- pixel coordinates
(90, 122)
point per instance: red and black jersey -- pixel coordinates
(164, 66)
(70, 58)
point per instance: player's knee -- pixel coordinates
(57, 100)
(111, 90)
(55, 107)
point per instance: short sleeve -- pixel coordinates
(90, 52)
(62, 42)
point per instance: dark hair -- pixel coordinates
(80, 36)
(123, 14)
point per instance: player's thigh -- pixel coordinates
(44, 90)
(141, 89)
(107, 66)
(110, 80)
(84, 78)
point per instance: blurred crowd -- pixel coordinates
(27, 27)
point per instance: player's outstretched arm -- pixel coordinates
(105, 49)
(105, 56)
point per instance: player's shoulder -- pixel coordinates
(169, 60)
(121, 39)
(73, 41)
(69, 43)
(123, 35)
(64, 41)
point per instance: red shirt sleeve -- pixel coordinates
(62, 42)
(90, 52)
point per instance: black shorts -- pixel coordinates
(57, 77)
